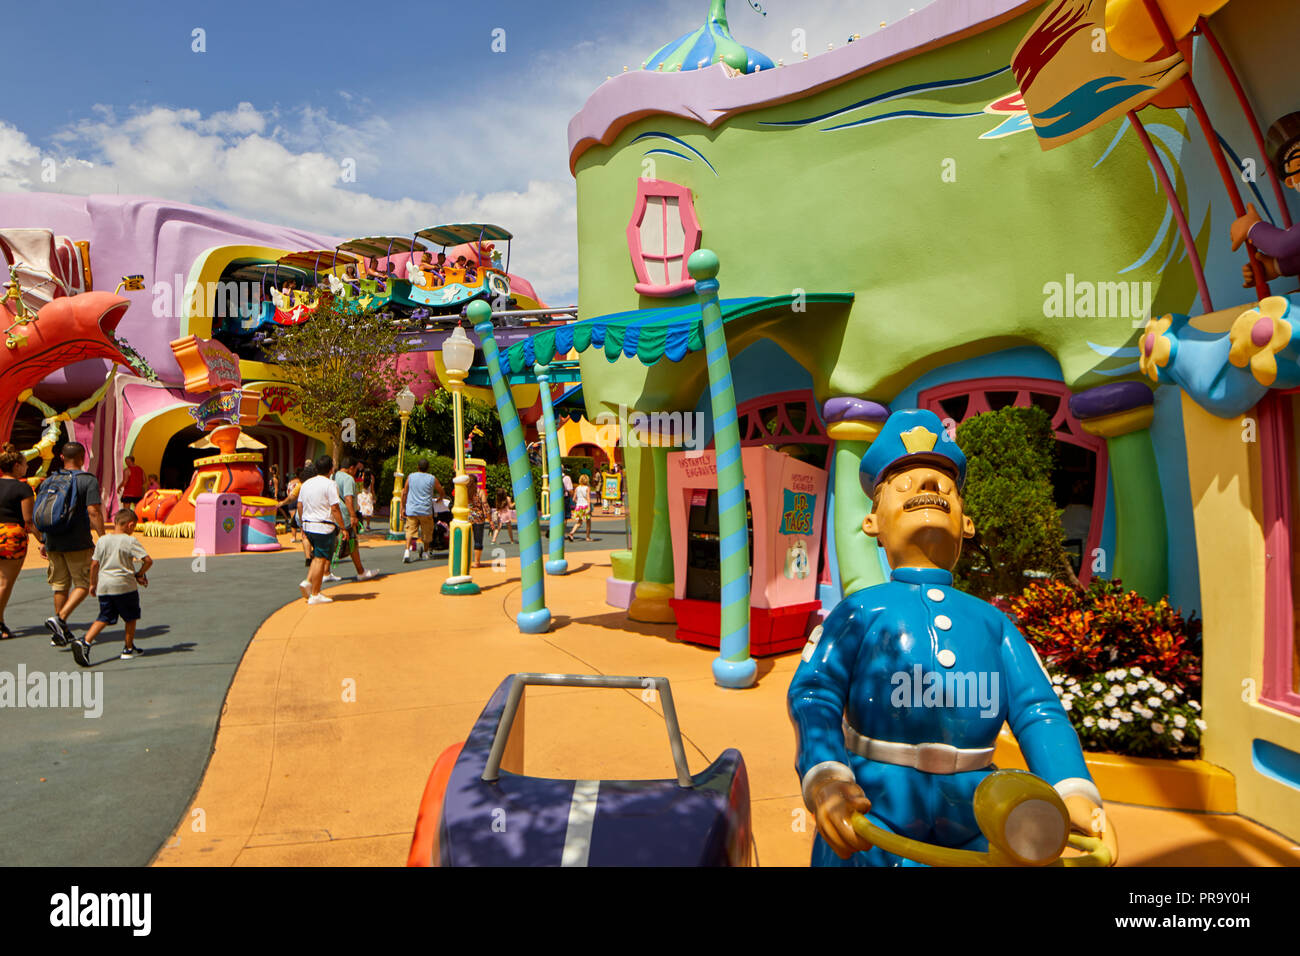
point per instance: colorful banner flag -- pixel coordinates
(1073, 82)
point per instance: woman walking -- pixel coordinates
(478, 515)
(366, 497)
(16, 500)
(581, 507)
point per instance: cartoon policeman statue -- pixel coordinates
(898, 702)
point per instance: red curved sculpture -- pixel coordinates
(66, 330)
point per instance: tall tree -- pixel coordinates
(1008, 495)
(344, 365)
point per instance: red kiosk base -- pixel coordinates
(771, 630)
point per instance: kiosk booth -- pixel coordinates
(784, 504)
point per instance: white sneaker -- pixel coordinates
(406, 558)
(332, 577)
(366, 575)
(320, 599)
(305, 587)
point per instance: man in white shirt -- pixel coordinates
(322, 522)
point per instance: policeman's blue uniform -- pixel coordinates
(915, 661)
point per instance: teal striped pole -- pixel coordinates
(556, 563)
(534, 617)
(733, 667)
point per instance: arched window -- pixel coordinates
(661, 236)
(1082, 458)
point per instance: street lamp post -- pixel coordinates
(457, 356)
(405, 405)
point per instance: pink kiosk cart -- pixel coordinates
(785, 501)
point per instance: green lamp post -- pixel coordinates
(457, 356)
(405, 405)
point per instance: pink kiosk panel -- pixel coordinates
(787, 498)
(216, 523)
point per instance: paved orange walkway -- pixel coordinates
(338, 712)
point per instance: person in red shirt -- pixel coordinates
(132, 488)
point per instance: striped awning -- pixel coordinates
(647, 334)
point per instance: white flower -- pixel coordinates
(1178, 690)
(1066, 703)
(1200, 724)
(1195, 704)
(1116, 712)
(1144, 713)
(1096, 705)
(1167, 694)
(1176, 734)
(1058, 680)
(1096, 687)
(1157, 726)
(1143, 685)
(1159, 685)
(1126, 717)
(1135, 671)
(1088, 721)
(1067, 698)
(1116, 690)
(1180, 721)
(1153, 701)
(1109, 701)
(1130, 688)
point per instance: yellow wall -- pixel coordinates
(1224, 474)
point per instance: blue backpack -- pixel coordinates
(56, 504)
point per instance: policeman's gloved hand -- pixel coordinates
(1091, 820)
(835, 802)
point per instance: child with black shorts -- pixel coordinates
(116, 582)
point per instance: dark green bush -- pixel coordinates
(1008, 494)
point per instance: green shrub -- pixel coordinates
(440, 466)
(1008, 494)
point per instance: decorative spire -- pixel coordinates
(710, 44)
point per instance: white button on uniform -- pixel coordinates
(934, 594)
(943, 622)
(947, 658)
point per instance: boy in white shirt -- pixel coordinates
(116, 582)
(322, 523)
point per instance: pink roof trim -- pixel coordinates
(710, 96)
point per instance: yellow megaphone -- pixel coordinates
(1023, 818)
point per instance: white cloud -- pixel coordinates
(496, 153)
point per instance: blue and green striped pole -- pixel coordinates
(534, 617)
(555, 563)
(733, 667)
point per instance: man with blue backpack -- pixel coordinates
(67, 508)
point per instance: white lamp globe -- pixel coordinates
(458, 352)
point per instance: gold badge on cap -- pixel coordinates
(918, 438)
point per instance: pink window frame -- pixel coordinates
(662, 188)
(1064, 425)
(1276, 461)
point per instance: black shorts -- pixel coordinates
(111, 605)
(322, 545)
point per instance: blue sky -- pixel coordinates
(437, 126)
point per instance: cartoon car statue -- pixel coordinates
(692, 820)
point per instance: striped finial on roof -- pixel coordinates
(709, 44)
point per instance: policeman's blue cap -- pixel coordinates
(911, 436)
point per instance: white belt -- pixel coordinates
(930, 758)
